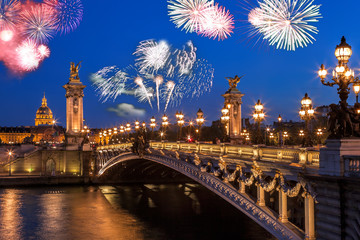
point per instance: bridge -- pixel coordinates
(259, 181)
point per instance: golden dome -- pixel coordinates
(44, 114)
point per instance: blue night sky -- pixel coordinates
(111, 30)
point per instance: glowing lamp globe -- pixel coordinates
(356, 88)
(343, 51)
(225, 111)
(306, 101)
(259, 106)
(322, 72)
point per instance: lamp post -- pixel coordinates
(191, 125)
(258, 116)
(343, 76)
(271, 138)
(307, 113)
(122, 131)
(319, 133)
(280, 130)
(152, 125)
(180, 121)
(356, 88)
(164, 124)
(267, 131)
(10, 154)
(137, 125)
(200, 120)
(246, 135)
(285, 136)
(128, 129)
(225, 119)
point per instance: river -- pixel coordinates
(125, 212)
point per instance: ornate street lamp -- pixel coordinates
(200, 120)
(271, 136)
(285, 136)
(341, 117)
(128, 129)
(180, 121)
(164, 124)
(307, 113)
(246, 135)
(258, 116)
(319, 133)
(137, 125)
(143, 124)
(152, 125)
(225, 118)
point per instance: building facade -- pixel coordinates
(44, 130)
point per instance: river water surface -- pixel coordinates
(139, 211)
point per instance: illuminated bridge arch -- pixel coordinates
(199, 172)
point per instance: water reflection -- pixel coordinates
(10, 218)
(128, 212)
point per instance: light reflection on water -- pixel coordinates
(167, 211)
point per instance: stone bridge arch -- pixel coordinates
(263, 217)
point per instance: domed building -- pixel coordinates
(45, 129)
(44, 115)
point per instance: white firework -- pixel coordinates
(152, 56)
(110, 87)
(286, 23)
(185, 59)
(217, 23)
(189, 14)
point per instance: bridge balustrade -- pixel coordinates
(284, 155)
(352, 166)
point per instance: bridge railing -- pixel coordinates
(114, 146)
(352, 166)
(258, 152)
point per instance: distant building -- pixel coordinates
(44, 130)
(44, 115)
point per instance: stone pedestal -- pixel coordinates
(73, 141)
(332, 156)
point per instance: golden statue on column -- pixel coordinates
(233, 82)
(74, 71)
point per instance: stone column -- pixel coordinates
(233, 101)
(283, 217)
(309, 218)
(74, 108)
(260, 196)
(241, 186)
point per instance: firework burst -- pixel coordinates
(178, 74)
(38, 22)
(217, 23)
(28, 55)
(110, 82)
(69, 14)
(170, 86)
(9, 13)
(189, 14)
(286, 23)
(152, 56)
